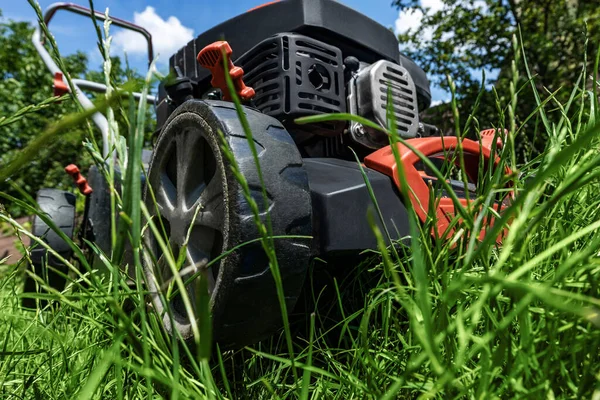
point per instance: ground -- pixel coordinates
(8, 242)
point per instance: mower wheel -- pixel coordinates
(189, 169)
(59, 207)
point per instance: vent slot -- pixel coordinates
(314, 46)
(316, 56)
(286, 53)
(385, 84)
(287, 98)
(313, 96)
(315, 107)
(406, 106)
(395, 79)
(298, 73)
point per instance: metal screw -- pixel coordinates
(360, 131)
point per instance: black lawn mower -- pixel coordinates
(288, 59)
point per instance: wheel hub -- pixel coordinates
(188, 184)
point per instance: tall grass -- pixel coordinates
(458, 318)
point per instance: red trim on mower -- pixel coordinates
(59, 86)
(488, 135)
(211, 57)
(80, 181)
(264, 5)
(419, 192)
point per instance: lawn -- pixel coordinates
(429, 317)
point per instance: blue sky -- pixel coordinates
(182, 20)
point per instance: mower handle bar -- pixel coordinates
(77, 9)
(38, 41)
(101, 88)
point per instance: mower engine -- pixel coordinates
(206, 193)
(317, 65)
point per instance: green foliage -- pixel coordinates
(468, 36)
(25, 82)
(474, 35)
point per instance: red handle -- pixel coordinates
(384, 162)
(79, 179)
(211, 57)
(59, 86)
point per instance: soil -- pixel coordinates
(8, 243)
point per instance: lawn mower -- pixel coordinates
(287, 59)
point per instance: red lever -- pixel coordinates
(211, 57)
(79, 179)
(487, 138)
(59, 86)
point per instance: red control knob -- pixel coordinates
(79, 179)
(211, 57)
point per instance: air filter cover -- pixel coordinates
(374, 83)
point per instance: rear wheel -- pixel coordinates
(189, 170)
(59, 207)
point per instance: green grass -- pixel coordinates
(427, 318)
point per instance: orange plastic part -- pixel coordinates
(211, 57)
(59, 86)
(487, 138)
(79, 179)
(383, 161)
(264, 5)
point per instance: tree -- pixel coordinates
(462, 37)
(467, 35)
(25, 80)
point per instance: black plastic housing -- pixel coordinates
(293, 76)
(421, 82)
(328, 21)
(340, 200)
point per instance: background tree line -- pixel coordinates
(25, 80)
(468, 36)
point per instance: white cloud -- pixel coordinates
(168, 35)
(435, 103)
(410, 21)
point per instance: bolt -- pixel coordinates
(360, 131)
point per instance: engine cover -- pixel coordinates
(369, 98)
(295, 76)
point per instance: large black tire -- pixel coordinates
(59, 206)
(99, 213)
(244, 303)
